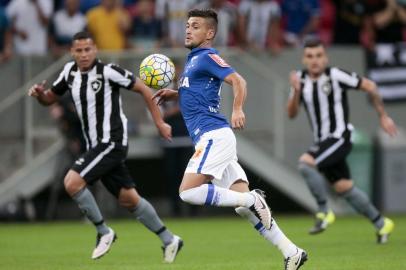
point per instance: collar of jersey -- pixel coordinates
(200, 50)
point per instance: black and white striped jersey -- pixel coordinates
(325, 101)
(97, 99)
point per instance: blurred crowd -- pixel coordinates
(37, 27)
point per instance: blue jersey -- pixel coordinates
(199, 91)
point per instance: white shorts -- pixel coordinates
(216, 155)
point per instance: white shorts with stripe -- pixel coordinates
(216, 155)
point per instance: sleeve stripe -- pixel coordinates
(60, 86)
(119, 70)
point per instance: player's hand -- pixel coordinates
(37, 89)
(237, 119)
(166, 131)
(164, 95)
(388, 125)
(294, 80)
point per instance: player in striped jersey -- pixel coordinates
(94, 87)
(323, 92)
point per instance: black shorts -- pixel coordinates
(330, 156)
(105, 162)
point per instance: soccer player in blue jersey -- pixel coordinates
(213, 175)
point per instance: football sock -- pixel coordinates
(273, 235)
(209, 194)
(359, 200)
(87, 204)
(147, 215)
(315, 182)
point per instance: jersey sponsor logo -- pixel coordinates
(184, 82)
(96, 85)
(220, 61)
(214, 110)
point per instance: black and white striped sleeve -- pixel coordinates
(60, 85)
(349, 80)
(120, 76)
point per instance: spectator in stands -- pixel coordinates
(109, 25)
(388, 20)
(5, 38)
(350, 21)
(302, 20)
(64, 25)
(260, 24)
(173, 14)
(228, 20)
(86, 5)
(29, 24)
(146, 31)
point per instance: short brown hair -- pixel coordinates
(312, 43)
(208, 14)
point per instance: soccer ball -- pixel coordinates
(157, 71)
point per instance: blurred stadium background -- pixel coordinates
(34, 154)
(33, 147)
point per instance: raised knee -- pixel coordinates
(129, 198)
(73, 183)
(69, 184)
(307, 159)
(342, 186)
(191, 196)
(184, 195)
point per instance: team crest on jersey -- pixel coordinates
(96, 85)
(220, 61)
(326, 87)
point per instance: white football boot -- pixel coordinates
(261, 209)
(296, 261)
(103, 244)
(172, 249)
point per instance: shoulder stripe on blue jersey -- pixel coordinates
(206, 152)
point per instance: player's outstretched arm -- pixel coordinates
(240, 94)
(44, 97)
(294, 97)
(164, 129)
(165, 95)
(386, 122)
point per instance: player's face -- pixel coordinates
(84, 52)
(197, 32)
(315, 60)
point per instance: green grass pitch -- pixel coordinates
(210, 243)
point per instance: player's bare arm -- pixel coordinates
(44, 96)
(165, 95)
(386, 122)
(240, 93)
(164, 129)
(294, 97)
